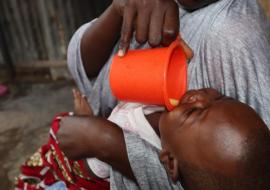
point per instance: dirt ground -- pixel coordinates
(25, 116)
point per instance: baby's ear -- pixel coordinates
(170, 163)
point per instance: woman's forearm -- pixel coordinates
(99, 40)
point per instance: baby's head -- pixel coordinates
(212, 142)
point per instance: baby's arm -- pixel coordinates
(82, 137)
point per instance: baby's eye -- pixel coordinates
(190, 111)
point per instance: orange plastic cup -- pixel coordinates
(152, 76)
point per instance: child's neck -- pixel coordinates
(153, 120)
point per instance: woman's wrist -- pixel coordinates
(98, 41)
(116, 11)
(113, 12)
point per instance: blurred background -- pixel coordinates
(35, 34)
(34, 80)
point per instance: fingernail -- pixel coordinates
(121, 52)
(58, 117)
(84, 96)
(71, 113)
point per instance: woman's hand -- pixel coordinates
(154, 21)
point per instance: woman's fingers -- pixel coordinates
(154, 21)
(187, 50)
(142, 25)
(170, 28)
(155, 29)
(127, 30)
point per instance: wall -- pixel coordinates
(40, 29)
(1, 59)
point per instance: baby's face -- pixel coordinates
(190, 114)
(195, 126)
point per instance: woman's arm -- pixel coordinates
(153, 21)
(83, 137)
(98, 41)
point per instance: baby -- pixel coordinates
(134, 117)
(209, 141)
(212, 142)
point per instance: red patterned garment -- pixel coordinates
(49, 165)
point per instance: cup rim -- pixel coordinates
(175, 45)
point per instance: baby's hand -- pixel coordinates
(154, 21)
(81, 106)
